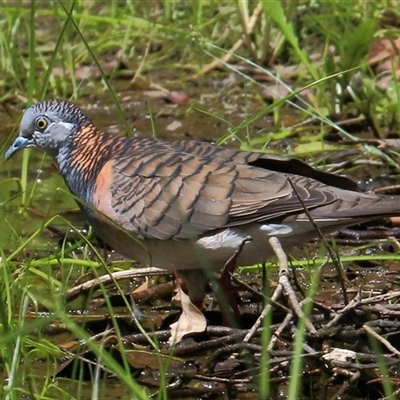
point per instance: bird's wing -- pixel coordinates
(292, 166)
(172, 194)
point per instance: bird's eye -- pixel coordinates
(41, 123)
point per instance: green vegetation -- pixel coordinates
(296, 77)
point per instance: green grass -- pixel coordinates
(83, 50)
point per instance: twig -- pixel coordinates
(346, 384)
(322, 237)
(74, 292)
(280, 329)
(250, 26)
(353, 304)
(277, 293)
(382, 297)
(284, 282)
(232, 259)
(378, 337)
(142, 62)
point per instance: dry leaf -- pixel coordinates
(191, 320)
(174, 125)
(143, 287)
(177, 97)
(382, 48)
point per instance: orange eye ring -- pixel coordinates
(41, 123)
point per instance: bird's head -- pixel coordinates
(48, 125)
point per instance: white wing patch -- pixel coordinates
(232, 238)
(228, 238)
(276, 229)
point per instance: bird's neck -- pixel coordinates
(81, 160)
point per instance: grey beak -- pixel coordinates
(20, 142)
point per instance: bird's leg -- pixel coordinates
(231, 290)
(195, 282)
(225, 291)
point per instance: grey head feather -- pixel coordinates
(55, 109)
(63, 119)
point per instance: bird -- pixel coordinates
(186, 206)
